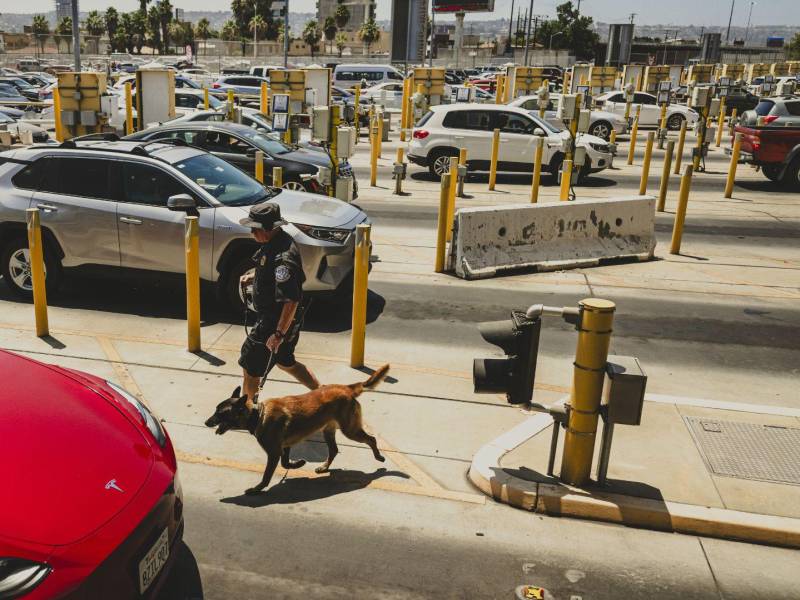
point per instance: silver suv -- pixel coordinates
(780, 111)
(122, 204)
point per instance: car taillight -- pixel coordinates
(420, 134)
(770, 118)
(756, 145)
(215, 86)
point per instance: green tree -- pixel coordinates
(165, 17)
(138, 29)
(342, 16)
(111, 19)
(229, 32)
(257, 24)
(576, 32)
(181, 33)
(329, 28)
(312, 36)
(202, 31)
(154, 29)
(41, 29)
(243, 12)
(64, 30)
(94, 24)
(369, 33)
(124, 37)
(794, 47)
(143, 6)
(341, 42)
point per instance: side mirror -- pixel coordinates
(538, 131)
(181, 202)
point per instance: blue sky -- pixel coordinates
(677, 12)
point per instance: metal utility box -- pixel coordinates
(155, 96)
(567, 105)
(344, 188)
(81, 102)
(345, 142)
(432, 82)
(623, 392)
(321, 123)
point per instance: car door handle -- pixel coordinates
(458, 137)
(47, 207)
(130, 221)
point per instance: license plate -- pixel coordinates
(153, 561)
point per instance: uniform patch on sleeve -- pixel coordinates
(282, 274)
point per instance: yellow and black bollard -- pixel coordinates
(732, 122)
(680, 213)
(277, 177)
(373, 150)
(259, 166)
(128, 108)
(679, 152)
(38, 275)
(735, 153)
(59, 126)
(192, 247)
(537, 169)
(594, 336)
(648, 156)
(493, 164)
(566, 179)
(720, 123)
(360, 284)
(442, 224)
(634, 134)
(263, 99)
(231, 106)
(206, 103)
(662, 188)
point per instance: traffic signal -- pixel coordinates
(513, 375)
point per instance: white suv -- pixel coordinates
(446, 128)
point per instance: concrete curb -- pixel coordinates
(487, 475)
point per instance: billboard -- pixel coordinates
(408, 30)
(453, 6)
(618, 50)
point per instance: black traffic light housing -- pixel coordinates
(513, 375)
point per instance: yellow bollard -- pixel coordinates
(128, 108)
(499, 89)
(443, 224)
(697, 156)
(680, 213)
(192, 247)
(537, 169)
(206, 103)
(732, 122)
(360, 285)
(720, 123)
(681, 142)
(264, 100)
(373, 157)
(57, 115)
(634, 134)
(405, 108)
(277, 177)
(358, 114)
(591, 355)
(230, 105)
(36, 258)
(493, 164)
(662, 123)
(648, 156)
(259, 166)
(398, 182)
(737, 149)
(662, 189)
(566, 179)
(462, 162)
(613, 138)
(451, 194)
(379, 136)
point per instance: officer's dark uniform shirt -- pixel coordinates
(278, 277)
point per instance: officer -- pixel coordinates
(277, 293)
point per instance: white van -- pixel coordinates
(349, 76)
(263, 70)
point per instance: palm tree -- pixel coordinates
(342, 16)
(154, 28)
(94, 24)
(165, 16)
(111, 18)
(341, 42)
(312, 36)
(202, 30)
(143, 5)
(229, 32)
(64, 28)
(369, 33)
(257, 23)
(40, 28)
(329, 29)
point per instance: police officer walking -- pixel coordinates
(277, 293)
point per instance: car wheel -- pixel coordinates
(674, 122)
(439, 163)
(294, 186)
(230, 291)
(771, 172)
(791, 178)
(16, 268)
(601, 129)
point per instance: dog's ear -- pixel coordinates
(241, 400)
(236, 392)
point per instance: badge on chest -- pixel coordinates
(282, 274)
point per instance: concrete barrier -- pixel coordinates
(548, 237)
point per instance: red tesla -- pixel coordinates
(90, 502)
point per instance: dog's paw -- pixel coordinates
(297, 464)
(380, 458)
(252, 491)
(321, 469)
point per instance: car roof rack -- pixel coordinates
(138, 148)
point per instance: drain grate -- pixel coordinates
(748, 450)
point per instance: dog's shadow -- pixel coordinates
(304, 489)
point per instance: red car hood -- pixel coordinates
(62, 444)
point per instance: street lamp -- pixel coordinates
(550, 45)
(747, 29)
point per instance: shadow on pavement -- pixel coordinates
(301, 489)
(184, 580)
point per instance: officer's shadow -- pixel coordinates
(334, 313)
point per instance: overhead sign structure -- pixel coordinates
(455, 6)
(408, 30)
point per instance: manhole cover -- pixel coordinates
(748, 450)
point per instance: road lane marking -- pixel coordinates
(405, 463)
(125, 378)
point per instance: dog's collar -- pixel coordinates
(254, 419)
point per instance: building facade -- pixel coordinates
(361, 11)
(63, 9)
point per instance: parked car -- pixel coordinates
(650, 115)
(23, 87)
(350, 75)
(390, 94)
(263, 70)
(117, 526)
(122, 204)
(28, 64)
(779, 111)
(240, 84)
(447, 128)
(775, 149)
(601, 122)
(39, 80)
(16, 127)
(10, 97)
(303, 170)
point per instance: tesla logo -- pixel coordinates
(112, 485)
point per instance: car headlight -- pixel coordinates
(324, 233)
(18, 576)
(599, 147)
(153, 425)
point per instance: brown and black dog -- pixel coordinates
(280, 423)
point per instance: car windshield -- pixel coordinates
(259, 120)
(542, 123)
(266, 143)
(215, 102)
(4, 118)
(222, 180)
(764, 107)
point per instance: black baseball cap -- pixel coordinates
(266, 215)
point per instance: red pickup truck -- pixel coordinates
(776, 150)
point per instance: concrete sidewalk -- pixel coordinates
(717, 469)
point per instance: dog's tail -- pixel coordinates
(372, 382)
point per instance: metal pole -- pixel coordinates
(737, 148)
(433, 38)
(591, 354)
(730, 19)
(259, 173)
(605, 451)
(462, 172)
(286, 36)
(528, 34)
(648, 155)
(747, 30)
(451, 194)
(566, 179)
(360, 286)
(634, 133)
(36, 258)
(493, 163)
(537, 170)
(76, 37)
(442, 225)
(680, 213)
(192, 247)
(662, 189)
(681, 142)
